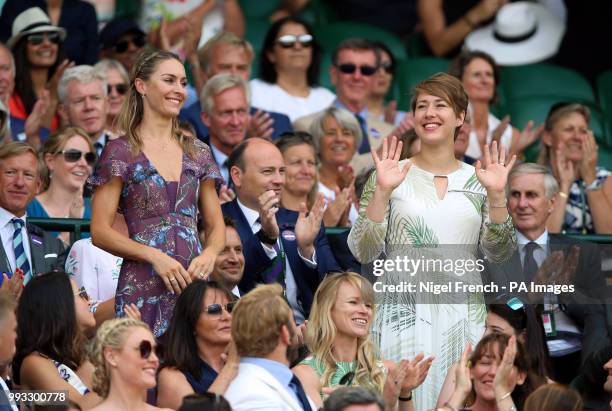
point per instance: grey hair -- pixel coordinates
(217, 85)
(346, 120)
(344, 397)
(103, 66)
(83, 74)
(10, 53)
(551, 186)
(222, 38)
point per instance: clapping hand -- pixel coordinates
(268, 206)
(527, 137)
(132, 311)
(260, 125)
(388, 173)
(308, 226)
(507, 374)
(226, 195)
(494, 175)
(565, 169)
(13, 285)
(588, 163)
(416, 371)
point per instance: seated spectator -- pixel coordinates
(197, 340)
(229, 265)
(69, 158)
(497, 375)
(39, 64)
(462, 139)
(82, 93)
(118, 81)
(569, 149)
(342, 353)
(76, 18)
(52, 318)
(123, 353)
(553, 397)
(289, 73)
(480, 76)
(8, 335)
(266, 340)
(595, 380)
(383, 80)
(207, 401)
(411, 143)
(353, 399)
(447, 23)
(122, 39)
(337, 136)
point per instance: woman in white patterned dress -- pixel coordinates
(433, 202)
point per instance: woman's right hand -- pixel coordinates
(388, 173)
(171, 271)
(463, 380)
(565, 170)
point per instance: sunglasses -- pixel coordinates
(215, 309)
(122, 46)
(72, 156)
(347, 379)
(387, 66)
(145, 348)
(349, 68)
(82, 294)
(289, 40)
(120, 88)
(38, 38)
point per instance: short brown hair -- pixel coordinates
(257, 320)
(446, 87)
(17, 148)
(458, 65)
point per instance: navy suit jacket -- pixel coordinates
(280, 125)
(256, 260)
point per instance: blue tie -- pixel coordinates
(21, 259)
(365, 141)
(296, 386)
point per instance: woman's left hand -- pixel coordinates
(202, 265)
(494, 175)
(416, 371)
(393, 384)
(588, 163)
(507, 374)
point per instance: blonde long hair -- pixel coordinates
(132, 110)
(321, 332)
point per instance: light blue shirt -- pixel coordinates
(220, 158)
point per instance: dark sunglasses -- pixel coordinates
(121, 88)
(122, 46)
(349, 68)
(145, 349)
(38, 38)
(289, 40)
(82, 293)
(215, 309)
(347, 379)
(388, 67)
(72, 156)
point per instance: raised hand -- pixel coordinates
(507, 374)
(463, 379)
(268, 206)
(308, 226)
(260, 125)
(416, 371)
(388, 173)
(497, 134)
(13, 285)
(35, 120)
(332, 217)
(54, 80)
(393, 384)
(346, 176)
(226, 194)
(527, 137)
(566, 172)
(588, 163)
(494, 175)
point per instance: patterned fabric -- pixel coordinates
(21, 259)
(154, 219)
(577, 210)
(438, 325)
(71, 377)
(342, 368)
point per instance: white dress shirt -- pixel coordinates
(6, 232)
(290, 284)
(220, 158)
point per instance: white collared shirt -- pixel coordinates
(539, 254)
(290, 284)
(6, 232)
(220, 158)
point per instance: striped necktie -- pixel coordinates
(21, 259)
(365, 142)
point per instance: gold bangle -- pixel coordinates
(562, 194)
(505, 205)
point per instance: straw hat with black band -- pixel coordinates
(30, 21)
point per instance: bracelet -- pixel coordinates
(264, 238)
(562, 194)
(405, 399)
(450, 407)
(505, 205)
(506, 395)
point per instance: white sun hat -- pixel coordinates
(522, 33)
(33, 20)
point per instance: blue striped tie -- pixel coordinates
(21, 259)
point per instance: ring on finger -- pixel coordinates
(201, 275)
(173, 280)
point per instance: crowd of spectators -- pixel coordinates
(232, 268)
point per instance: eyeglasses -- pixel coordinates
(289, 40)
(72, 156)
(38, 38)
(121, 88)
(145, 348)
(122, 46)
(387, 66)
(82, 293)
(349, 68)
(215, 309)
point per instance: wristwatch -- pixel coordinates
(264, 238)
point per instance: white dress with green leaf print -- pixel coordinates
(418, 223)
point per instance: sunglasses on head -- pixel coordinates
(73, 155)
(82, 293)
(38, 38)
(215, 309)
(122, 46)
(121, 88)
(349, 68)
(289, 40)
(145, 348)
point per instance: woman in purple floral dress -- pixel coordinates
(159, 180)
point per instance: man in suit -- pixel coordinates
(83, 101)
(532, 191)
(266, 339)
(354, 63)
(280, 245)
(24, 246)
(8, 336)
(226, 52)
(229, 265)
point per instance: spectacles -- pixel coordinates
(215, 309)
(122, 46)
(387, 66)
(82, 293)
(121, 88)
(72, 156)
(289, 40)
(145, 348)
(38, 38)
(349, 68)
